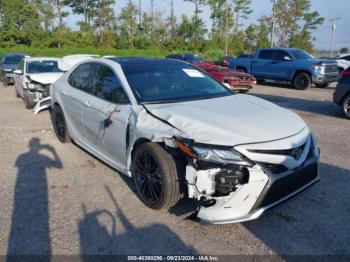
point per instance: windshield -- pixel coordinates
(300, 54)
(47, 66)
(159, 83)
(13, 60)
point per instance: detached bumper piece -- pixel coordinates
(42, 105)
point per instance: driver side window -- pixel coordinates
(106, 85)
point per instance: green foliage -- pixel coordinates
(42, 24)
(344, 50)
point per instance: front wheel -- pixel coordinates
(302, 81)
(156, 176)
(59, 124)
(346, 106)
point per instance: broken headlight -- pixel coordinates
(225, 156)
(35, 86)
(213, 154)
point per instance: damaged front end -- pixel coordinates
(225, 183)
(231, 188)
(40, 94)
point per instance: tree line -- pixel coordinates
(43, 23)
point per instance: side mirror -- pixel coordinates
(287, 58)
(17, 72)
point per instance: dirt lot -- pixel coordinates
(57, 199)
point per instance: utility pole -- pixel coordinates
(333, 20)
(140, 13)
(273, 23)
(226, 28)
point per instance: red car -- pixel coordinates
(240, 82)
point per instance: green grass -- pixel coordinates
(214, 55)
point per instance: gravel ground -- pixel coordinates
(58, 199)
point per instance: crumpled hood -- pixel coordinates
(231, 120)
(45, 78)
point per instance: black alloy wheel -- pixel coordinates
(302, 81)
(59, 124)
(155, 176)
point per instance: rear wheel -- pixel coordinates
(302, 81)
(59, 124)
(241, 70)
(346, 106)
(156, 176)
(28, 100)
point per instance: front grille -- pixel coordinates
(287, 185)
(287, 152)
(331, 69)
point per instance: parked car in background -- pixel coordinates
(237, 81)
(10, 62)
(179, 133)
(34, 77)
(341, 95)
(343, 62)
(288, 64)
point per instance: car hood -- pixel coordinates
(45, 78)
(231, 120)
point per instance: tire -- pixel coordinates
(322, 85)
(302, 81)
(340, 70)
(156, 176)
(28, 100)
(345, 106)
(59, 125)
(260, 81)
(241, 70)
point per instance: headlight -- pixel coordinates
(6, 70)
(318, 68)
(225, 156)
(216, 155)
(33, 86)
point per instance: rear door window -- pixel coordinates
(266, 54)
(80, 78)
(107, 86)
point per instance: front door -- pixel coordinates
(106, 116)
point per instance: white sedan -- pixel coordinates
(179, 133)
(33, 79)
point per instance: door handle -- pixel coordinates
(86, 103)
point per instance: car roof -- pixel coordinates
(123, 61)
(41, 59)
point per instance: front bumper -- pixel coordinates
(9, 78)
(268, 185)
(325, 79)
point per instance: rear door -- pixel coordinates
(73, 99)
(262, 64)
(106, 116)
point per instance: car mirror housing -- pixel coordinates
(17, 72)
(287, 58)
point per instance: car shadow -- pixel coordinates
(309, 225)
(29, 233)
(326, 108)
(287, 85)
(105, 232)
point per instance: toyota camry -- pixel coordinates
(181, 134)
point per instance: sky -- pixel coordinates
(327, 8)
